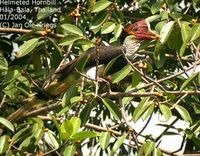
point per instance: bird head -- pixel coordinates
(141, 31)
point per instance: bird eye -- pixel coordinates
(134, 29)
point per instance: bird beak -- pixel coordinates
(149, 35)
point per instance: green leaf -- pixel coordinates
(185, 31)
(19, 134)
(100, 5)
(3, 62)
(104, 139)
(109, 65)
(66, 129)
(85, 113)
(116, 77)
(141, 109)
(118, 143)
(183, 47)
(195, 33)
(11, 75)
(165, 111)
(184, 113)
(72, 29)
(156, 7)
(127, 100)
(83, 42)
(98, 20)
(45, 12)
(188, 81)
(118, 30)
(27, 47)
(84, 135)
(136, 78)
(148, 147)
(38, 134)
(107, 27)
(166, 31)
(113, 108)
(69, 150)
(159, 55)
(71, 92)
(148, 112)
(70, 39)
(56, 124)
(26, 143)
(4, 144)
(50, 139)
(7, 123)
(76, 123)
(157, 152)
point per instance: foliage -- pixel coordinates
(83, 113)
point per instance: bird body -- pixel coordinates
(67, 75)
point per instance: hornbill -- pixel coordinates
(67, 75)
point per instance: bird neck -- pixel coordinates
(131, 44)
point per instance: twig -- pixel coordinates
(24, 31)
(44, 109)
(146, 94)
(127, 123)
(144, 76)
(168, 77)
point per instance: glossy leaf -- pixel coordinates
(148, 112)
(165, 111)
(140, 109)
(159, 55)
(4, 144)
(3, 63)
(66, 129)
(70, 39)
(156, 7)
(26, 143)
(27, 47)
(104, 139)
(184, 113)
(71, 92)
(83, 42)
(56, 124)
(109, 65)
(107, 27)
(120, 75)
(183, 48)
(157, 152)
(72, 29)
(69, 150)
(118, 30)
(113, 108)
(195, 32)
(166, 31)
(118, 143)
(100, 5)
(7, 124)
(45, 12)
(185, 31)
(148, 147)
(50, 139)
(136, 78)
(76, 123)
(98, 20)
(19, 134)
(188, 81)
(84, 135)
